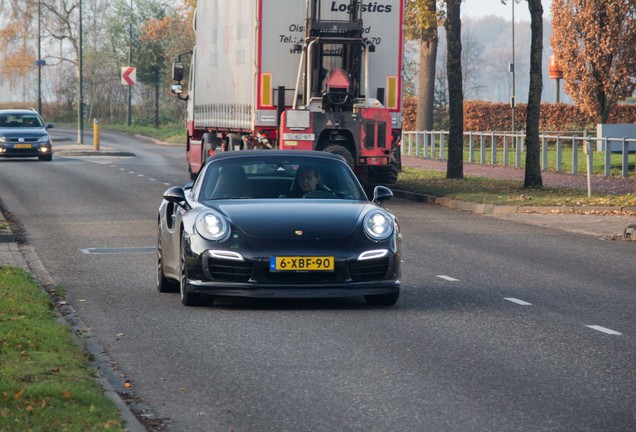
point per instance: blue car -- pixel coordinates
(281, 224)
(24, 134)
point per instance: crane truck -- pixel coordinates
(297, 74)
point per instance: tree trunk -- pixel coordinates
(533, 147)
(455, 165)
(426, 84)
(156, 114)
(426, 74)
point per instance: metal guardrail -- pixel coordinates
(432, 144)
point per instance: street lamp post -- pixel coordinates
(39, 62)
(512, 68)
(130, 63)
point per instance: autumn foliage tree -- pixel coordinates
(158, 51)
(18, 41)
(594, 42)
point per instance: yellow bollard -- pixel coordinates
(96, 134)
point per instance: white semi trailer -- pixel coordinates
(297, 74)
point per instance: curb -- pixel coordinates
(158, 142)
(64, 152)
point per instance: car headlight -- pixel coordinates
(43, 139)
(378, 226)
(212, 226)
(2, 139)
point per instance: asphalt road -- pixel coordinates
(501, 326)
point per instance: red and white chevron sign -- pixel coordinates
(129, 76)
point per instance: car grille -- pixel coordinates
(26, 140)
(229, 271)
(368, 270)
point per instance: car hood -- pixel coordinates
(289, 219)
(22, 132)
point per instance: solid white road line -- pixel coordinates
(448, 278)
(517, 301)
(604, 330)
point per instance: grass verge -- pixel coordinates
(45, 382)
(502, 192)
(167, 133)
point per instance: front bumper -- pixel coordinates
(8, 150)
(243, 276)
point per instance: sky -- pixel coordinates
(481, 8)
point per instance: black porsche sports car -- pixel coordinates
(251, 226)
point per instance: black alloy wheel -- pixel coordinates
(188, 298)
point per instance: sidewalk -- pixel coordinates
(610, 185)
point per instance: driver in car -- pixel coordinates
(308, 178)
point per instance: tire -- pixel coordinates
(164, 284)
(382, 299)
(188, 298)
(340, 150)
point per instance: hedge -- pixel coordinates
(496, 116)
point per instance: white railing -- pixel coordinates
(432, 145)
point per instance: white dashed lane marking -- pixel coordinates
(448, 278)
(604, 330)
(517, 301)
(139, 175)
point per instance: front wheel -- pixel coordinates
(382, 299)
(163, 284)
(188, 298)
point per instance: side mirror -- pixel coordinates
(177, 71)
(381, 194)
(176, 194)
(50, 126)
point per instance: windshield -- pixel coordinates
(278, 177)
(19, 120)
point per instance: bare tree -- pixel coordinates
(455, 164)
(533, 146)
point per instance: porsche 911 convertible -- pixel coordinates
(282, 224)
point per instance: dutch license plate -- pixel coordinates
(301, 263)
(22, 146)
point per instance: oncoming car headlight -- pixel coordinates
(212, 225)
(43, 139)
(378, 226)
